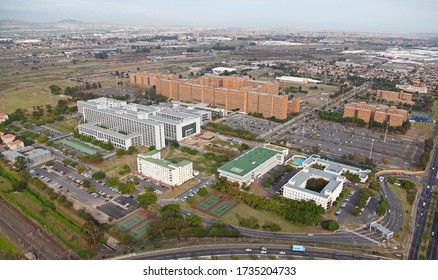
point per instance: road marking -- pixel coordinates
(363, 236)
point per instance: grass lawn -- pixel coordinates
(435, 110)
(243, 210)
(113, 165)
(66, 126)
(7, 246)
(403, 235)
(26, 97)
(258, 190)
(178, 190)
(421, 131)
(205, 166)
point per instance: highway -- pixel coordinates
(243, 249)
(339, 237)
(28, 236)
(422, 208)
(393, 220)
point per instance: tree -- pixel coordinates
(151, 148)
(120, 152)
(127, 188)
(99, 175)
(392, 179)
(374, 186)
(86, 183)
(18, 186)
(331, 225)
(147, 199)
(203, 192)
(193, 220)
(113, 181)
(91, 232)
(81, 168)
(243, 147)
(55, 89)
(132, 150)
(95, 159)
(101, 55)
(20, 163)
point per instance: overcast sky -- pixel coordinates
(357, 15)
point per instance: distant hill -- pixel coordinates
(10, 25)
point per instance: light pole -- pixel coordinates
(371, 150)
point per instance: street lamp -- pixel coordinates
(371, 150)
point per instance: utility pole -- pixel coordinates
(371, 150)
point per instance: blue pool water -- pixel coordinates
(298, 161)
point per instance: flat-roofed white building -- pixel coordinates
(332, 172)
(336, 168)
(220, 70)
(121, 123)
(174, 174)
(295, 188)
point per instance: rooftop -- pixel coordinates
(298, 181)
(249, 161)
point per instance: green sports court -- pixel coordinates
(221, 208)
(207, 203)
(135, 224)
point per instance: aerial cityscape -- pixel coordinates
(172, 136)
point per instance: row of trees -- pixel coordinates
(276, 176)
(424, 158)
(171, 223)
(300, 211)
(229, 131)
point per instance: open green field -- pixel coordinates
(435, 110)
(243, 211)
(8, 247)
(113, 165)
(205, 166)
(403, 235)
(421, 131)
(90, 145)
(26, 97)
(66, 126)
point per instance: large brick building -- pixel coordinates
(380, 113)
(396, 97)
(229, 93)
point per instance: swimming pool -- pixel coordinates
(298, 161)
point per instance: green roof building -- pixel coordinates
(253, 164)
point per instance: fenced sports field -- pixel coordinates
(135, 224)
(215, 206)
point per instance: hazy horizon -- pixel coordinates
(404, 16)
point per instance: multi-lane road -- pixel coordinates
(422, 209)
(246, 250)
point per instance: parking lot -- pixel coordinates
(68, 181)
(252, 124)
(346, 206)
(336, 140)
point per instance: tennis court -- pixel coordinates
(136, 224)
(222, 208)
(78, 147)
(140, 230)
(207, 203)
(130, 221)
